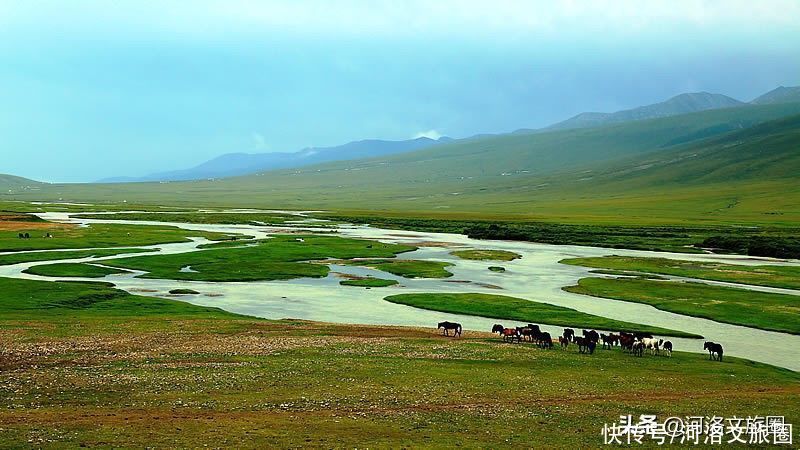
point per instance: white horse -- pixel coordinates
(651, 344)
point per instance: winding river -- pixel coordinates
(537, 276)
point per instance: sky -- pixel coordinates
(95, 89)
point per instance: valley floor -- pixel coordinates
(231, 381)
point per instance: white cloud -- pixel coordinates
(430, 134)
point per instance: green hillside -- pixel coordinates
(694, 167)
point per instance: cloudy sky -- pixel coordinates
(91, 89)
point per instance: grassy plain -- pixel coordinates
(22, 257)
(510, 308)
(368, 282)
(97, 235)
(246, 218)
(764, 275)
(86, 365)
(80, 270)
(281, 257)
(776, 312)
(487, 255)
(407, 268)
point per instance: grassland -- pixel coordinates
(86, 365)
(96, 236)
(368, 282)
(81, 270)
(183, 291)
(280, 258)
(486, 255)
(764, 275)
(407, 268)
(23, 257)
(776, 312)
(246, 218)
(503, 307)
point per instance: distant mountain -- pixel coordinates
(233, 164)
(11, 182)
(680, 104)
(779, 95)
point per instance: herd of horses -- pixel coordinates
(636, 343)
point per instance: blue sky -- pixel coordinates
(92, 89)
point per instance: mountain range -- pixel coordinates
(736, 165)
(235, 164)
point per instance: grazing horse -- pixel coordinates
(544, 340)
(527, 332)
(535, 328)
(447, 326)
(585, 345)
(564, 341)
(667, 346)
(651, 344)
(626, 341)
(713, 349)
(509, 334)
(607, 339)
(569, 333)
(638, 348)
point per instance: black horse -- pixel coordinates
(585, 345)
(714, 350)
(544, 340)
(497, 328)
(447, 326)
(591, 335)
(569, 333)
(640, 335)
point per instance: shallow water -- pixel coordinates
(537, 276)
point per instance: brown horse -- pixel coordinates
(564, 341)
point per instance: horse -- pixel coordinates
(591, 335)
(544, 340)
(640, 335)
(626, 341)
(509, 334)
(535, 328)
(667, 346)
(637, 348)
(614, 338)
(564, 341)
(651, 344)
(607, 339)
(585, 345)
(447, 326)
(527, 332)
(569, 333)
(713, 349)
(497, 328)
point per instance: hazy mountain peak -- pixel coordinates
(679, 104)
(781, 94)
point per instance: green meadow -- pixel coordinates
(280, 258)
(775, 312)
(87, 365)
(760, 275)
